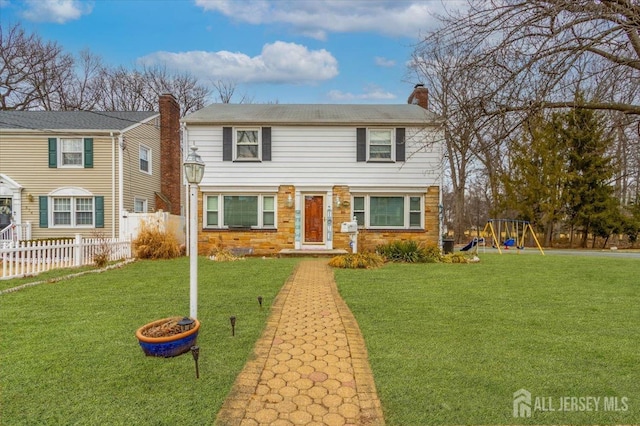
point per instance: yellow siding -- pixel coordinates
(136, 183)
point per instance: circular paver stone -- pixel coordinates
(266, 415)
(318, 376)
(333, 419)
(303, 384)
(350, 411)
(332, 400)
(302, 400)
(317, 392)
(317, 410)
(288, 391)
(300, 417)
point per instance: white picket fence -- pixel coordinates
(32, 257)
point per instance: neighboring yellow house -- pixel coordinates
(80, 172)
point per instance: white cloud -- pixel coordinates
(384, 62)
(58, 11)
(371, 93)
(279, 62)
(317, 18)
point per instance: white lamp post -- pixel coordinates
(193, 171)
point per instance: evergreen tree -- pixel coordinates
(589, 171)
(534, 188)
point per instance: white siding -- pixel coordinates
(320, 156)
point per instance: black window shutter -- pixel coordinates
(266, 144)
(88, 153)
(44, 211)
(400, 151)
(53, 154)
(361, 144)
(99, 211)
(227, 144)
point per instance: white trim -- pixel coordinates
(69, 191)
(258, 130)
(149, 151)
(255, 189)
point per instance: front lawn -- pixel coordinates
(68, 352)
(450, 344)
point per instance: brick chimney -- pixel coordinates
(419, 96)
(170, 157)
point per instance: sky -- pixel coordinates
(286, 51)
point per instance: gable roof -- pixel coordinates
(301, 114)
(72, 120)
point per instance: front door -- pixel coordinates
(313, 218)
(5, 212)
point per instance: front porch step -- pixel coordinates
(310, 253)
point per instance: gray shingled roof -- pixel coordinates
(72, 120)
(300, 114)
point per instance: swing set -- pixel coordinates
(511, 233)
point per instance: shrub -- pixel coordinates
(357, 261)
(455, 258)
(101, 253)
(432, 254)
(153, 242)
(409, 252)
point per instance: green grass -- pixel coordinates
(450, 344)
(68, 352)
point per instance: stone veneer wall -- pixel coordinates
(270, 242)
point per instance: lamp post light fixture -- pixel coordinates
(193, 172)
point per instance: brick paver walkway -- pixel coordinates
(310, 365)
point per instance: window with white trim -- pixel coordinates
(73, 211)
(145, 159)
(389, 211)
(240, 211)
(71, 152)
(139, 205)
(380, 145)
(247, 144)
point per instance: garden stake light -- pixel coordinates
(260, 301)
(233, 325)
(195, 351)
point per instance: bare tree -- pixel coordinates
(32, 72)
(225, 89)
(531, 49)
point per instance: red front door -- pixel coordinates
(313, 218)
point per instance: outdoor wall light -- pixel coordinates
(338, 202)
(289, 202)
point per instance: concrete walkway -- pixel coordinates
(310, 366)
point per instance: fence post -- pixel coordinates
(77, 247)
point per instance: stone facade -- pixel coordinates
(268, 242)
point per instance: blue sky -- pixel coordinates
(305, 51)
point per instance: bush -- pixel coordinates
(153, 242)
(455, 258)
(357, 261)
(409, 252)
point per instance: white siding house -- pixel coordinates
(284, 177)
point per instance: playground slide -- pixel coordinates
(471, 244)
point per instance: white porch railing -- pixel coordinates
(15, 232)
(32, 257)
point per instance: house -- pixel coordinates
(81, 172)
(285, 177)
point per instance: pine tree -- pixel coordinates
(588, 193)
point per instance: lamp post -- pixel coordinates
(193, 171)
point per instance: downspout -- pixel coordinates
(120, 180)
(113, 186)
